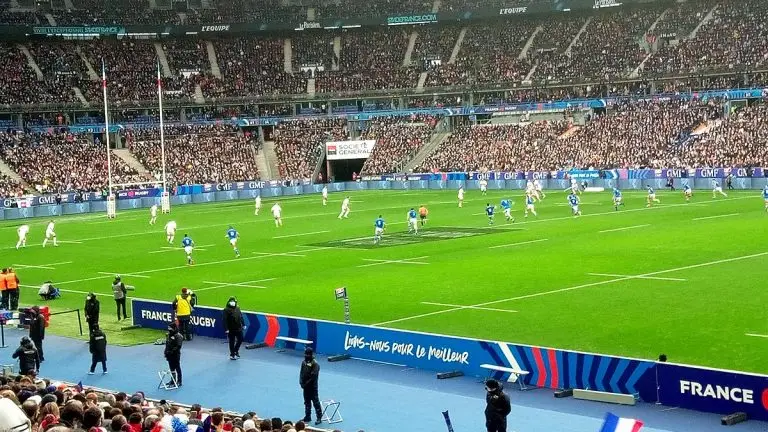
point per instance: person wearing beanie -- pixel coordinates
(29, 358)
(234, 324)
(497, 407)
(173, 343)
(98, 347)
(308, 380)
(92, 308)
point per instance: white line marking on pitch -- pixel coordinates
(42, 267)
(715, 217)
(474, 307)
(756, 335)
(624, 228)
(576, 287)
(247, 284)
(518, 243)
(301, 234)
(288, 254)
(124, 274)
(375, 262)
(70, 241)
(638, 277)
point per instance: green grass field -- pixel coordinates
(681, 279)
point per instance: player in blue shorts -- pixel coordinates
(765, 197)
(188, 245)
(378, 231)
(618, 199)
(529, 207)
(233, 236)
(506, 205)
(687, 192)
(573, 200)
(651, 196)
(489, 209)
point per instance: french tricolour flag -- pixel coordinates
(615, 423)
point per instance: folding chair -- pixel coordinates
(170, 384)
(331, 413)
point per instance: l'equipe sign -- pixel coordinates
(339, 150)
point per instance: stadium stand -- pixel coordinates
(197, 154)
(298, 144)
(9, 187)
(58, 162)
(51, 405)
(397, 140)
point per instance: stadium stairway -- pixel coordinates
(261, 164)
(288, 56)
(269, 160)
(407, 61)
(214, 62)
(457, 46)
(529, 43)
(426, 150)
(130, 160)
(69, 5)
(706, 19)
(436, 6)
(206, 4)
(50, 19)
(578, 35)
(152, 4)
(649, 49)
(311, 87)
(422, 79)
(163, 60)
(336, 52)
(199, 97)
(92, 75)
(32, 63)
(79, 95)
(570, 132)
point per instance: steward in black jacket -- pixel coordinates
(497, 407)
(37, 330)
(98, 348)
(92, 308)
(29, 361)
(234, 324)
(173, 343)
(308, 380)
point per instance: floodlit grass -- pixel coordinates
(682, 279)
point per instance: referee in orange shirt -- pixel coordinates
(423, 212)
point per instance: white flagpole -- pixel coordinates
(162, 128)
(106, 123)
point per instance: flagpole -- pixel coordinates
(162, 128)
(106, 123)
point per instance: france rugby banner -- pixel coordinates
(339, 150)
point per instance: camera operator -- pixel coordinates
(121, 294)
(173, 344)
(234, 326)
(92, 309)
(29, 359)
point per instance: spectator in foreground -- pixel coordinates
(29, 360)
(497, 407)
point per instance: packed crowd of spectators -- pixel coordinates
(197, 154)
(57, 162)
(735, 37)
(19, 84)
(9, 187)
(251, 67)
(370, 59)
(311, 49)
(299, 144)
(186, 54)
(49, 406)
(433, 43)
(398, 139)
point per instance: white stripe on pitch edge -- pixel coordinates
(511, 359)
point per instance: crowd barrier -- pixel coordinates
(145, 198)
(674, 385)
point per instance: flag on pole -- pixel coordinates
(159, 81)
(614, 423)
(79, 387)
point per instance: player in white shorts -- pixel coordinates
(325, 195)
(344, 208)
(153, 214)
(687, 192)
(484, 186)
(412, 221)
(461, 196)
(277, 213)
(22, 232)
(531, 190)
(50, 233)
(539, 191)
(258, 205)
(529, 207)
(716, 189)
(170, 231)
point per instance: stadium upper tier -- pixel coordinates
(596, 46)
